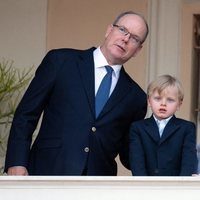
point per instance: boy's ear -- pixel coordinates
(148, 102)
(180, 103)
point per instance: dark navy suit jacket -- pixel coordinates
(70, 138)
(174, 154)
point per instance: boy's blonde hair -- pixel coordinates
(163, 82)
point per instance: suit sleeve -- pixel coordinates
(189, 154)
(136, 152)
(125, 151)
(28, 113)
(138, 113)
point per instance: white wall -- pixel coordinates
(23, 31)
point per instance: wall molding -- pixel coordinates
(164, 38)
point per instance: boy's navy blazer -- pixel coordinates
(173, 154)
(70, 137)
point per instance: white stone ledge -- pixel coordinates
(99, 188)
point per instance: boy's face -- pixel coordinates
(165, 104)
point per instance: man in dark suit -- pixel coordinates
(72, 140)
(163, 145)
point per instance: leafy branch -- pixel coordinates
(13, 82)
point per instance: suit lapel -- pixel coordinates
(86, 68)
(170, 129)
(121, 90)
(151, 128)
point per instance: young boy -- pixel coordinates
(172, 151)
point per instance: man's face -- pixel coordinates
(119, 47)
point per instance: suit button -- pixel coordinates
(94, 129)
(86, 149)
(156, 171)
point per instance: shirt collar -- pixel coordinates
(100, 61)
(165, 120)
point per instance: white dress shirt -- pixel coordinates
(100, 71)
(161, 124)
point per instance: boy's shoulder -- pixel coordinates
(181, 120)
(174, 119)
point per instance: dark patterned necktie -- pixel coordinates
(104, 90)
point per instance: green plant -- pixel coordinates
(13, 82)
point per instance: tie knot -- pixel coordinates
(109, 69)
(163, 121)
(161, 126)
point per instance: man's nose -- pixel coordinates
(127, 37)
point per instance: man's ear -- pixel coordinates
(137, 50)
(109, 29)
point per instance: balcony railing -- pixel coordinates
(99, 188)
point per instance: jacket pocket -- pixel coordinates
(47, 143)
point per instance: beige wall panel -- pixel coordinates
(82, 24)
(23, 31)
(186, 69)
(22, 39)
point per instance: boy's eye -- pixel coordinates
(157, 98)
(170, 100)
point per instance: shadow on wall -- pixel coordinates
(198, 156)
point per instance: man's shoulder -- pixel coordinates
(135, 86)
(64, 51)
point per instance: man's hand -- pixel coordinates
(17, 171)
